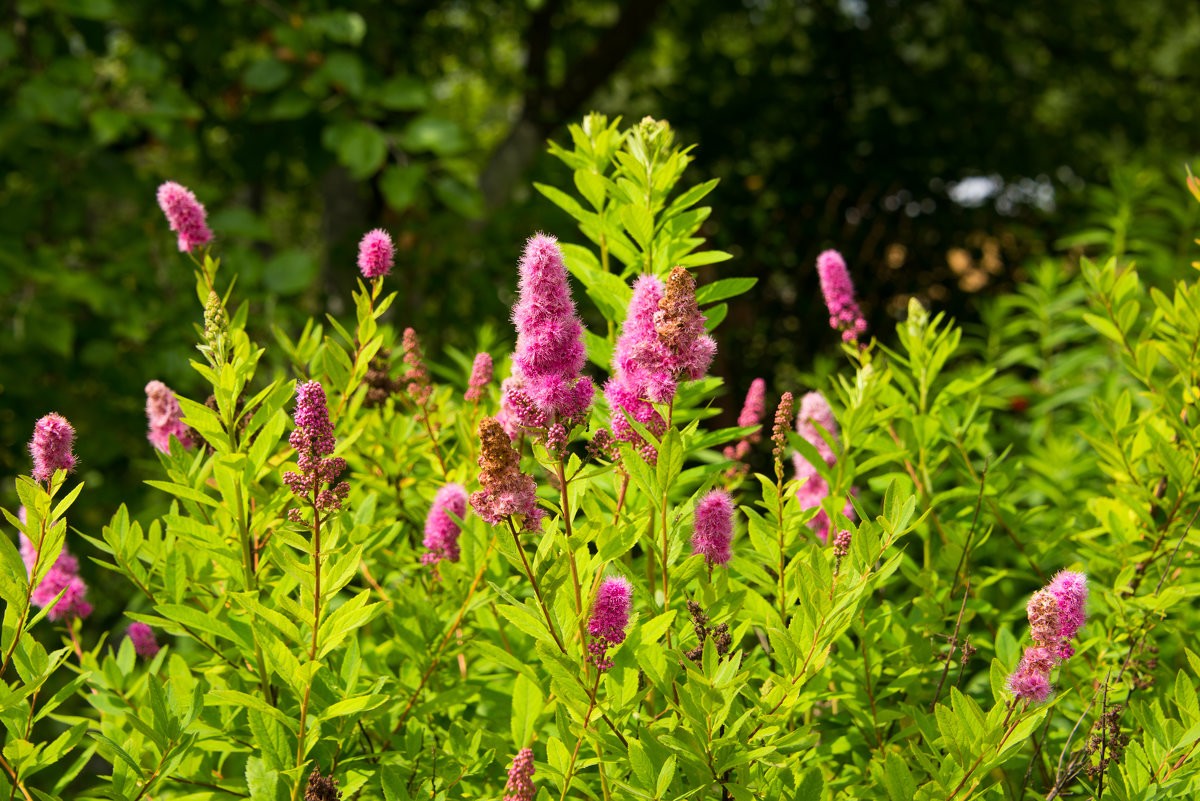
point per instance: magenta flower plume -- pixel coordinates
(844, 314)
(376, 254)
(713, 529)
(142, 637)
(752, 413)
(610, 618)
(639, 370)
(51, 445)
(1056, 613)
(550, 350)
(186, 216)
(520, 778)
(689, 350)
(165, 418)
(504, 489)
(441, 531)
(63, 577)
(1071, 592)
(815, 414)
(482, 373)
(316, 482)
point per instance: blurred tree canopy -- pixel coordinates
(937, 143)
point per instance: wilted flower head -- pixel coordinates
(520, 777)
(783, 424)
(680, 328)
(844, 314)
(481, 375)
(504, 489)
(186, 216)
(63, 577)
(165, 418)
(841, 548)
(550, 350)
(713, 529)
(142, 637)
(415, 374)
(51, 445)
(610, 618)
(321, 788)
(316, 482)
(441, 530)
(375, 254)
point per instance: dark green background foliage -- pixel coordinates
(301, 125)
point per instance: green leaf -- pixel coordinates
(360, 148)
(290, 271)
(465, 200)
(400, 185)
(723, 288)
(402, 93)
(527, 705)
(435, 134)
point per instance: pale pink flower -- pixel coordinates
(481, 376)
(51, 445)
(844, 314)
(165, 418)
(713, 528)
(441, 530)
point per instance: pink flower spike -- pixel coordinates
(142, 637)
(1071, 592)
(754, 408)
(814, 412)
(186, 216)
(610, 618)
(844, 314)
(520, 778)
(680, 327)
(376, 254)
(1031, 680)
(713, 528)
(482, 373)
(315, 482)
(441, 531)
(51, 447)
(550, 351)
(165, 418)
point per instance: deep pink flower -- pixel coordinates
(814, 412)
(713, 528)
(624, 402)
(142, 637)
(1031, 680)
(481, 375)
(520, 778)
(51, 446)
(313, 440)
(165, 418)
(752, 414)
(376, 254)
(186, 216)
(441, 531)
(610, 618)
(62, 577)
(1071, 591)
(639, 370)
(550, 351)
(844, 314)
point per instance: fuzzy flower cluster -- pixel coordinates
(316, 482)
(482, 372)
(51, 445)
(610, 618)
(1056, 613)
(165, 418)
(752, 414)
(142, 637)
(688, 350)
(376, 254)
(186, 216)
(844, 314)
(63, 577)
(841, 549)
(416, 377)
(546, 385)
(520, 778)
(815, 416)
(441, 530)
(713, 528)
(504, 489)
(638, 370)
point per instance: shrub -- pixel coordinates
(549, 587)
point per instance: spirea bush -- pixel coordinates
(965, 567)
